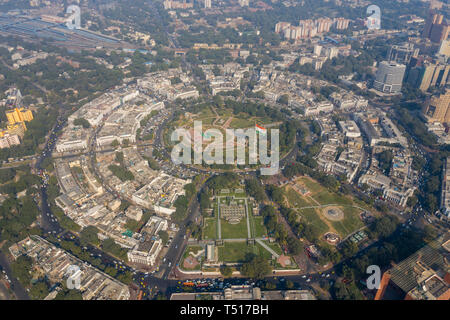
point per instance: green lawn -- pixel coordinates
(325, 197)
(311, 216)
(234, 231)
(206, 113)
(274, 246)
(312, 186)
(296, 200)
(263, 252)
(235, 251)
(210, 228)
(241, 123)
(350, 223)
(257, 226)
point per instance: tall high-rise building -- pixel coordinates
(389, 77)
(433, 18)
(444, 49)
(437, 109)
(207, 4)
(323, 25)
(433, 74)
(281, 26)
(439, 32)
(403, 53)
(436, 28)
(342, 23)
(309, 28)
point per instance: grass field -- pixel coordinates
(263, 252)
(234, 231)
(320, 195)
(350, 223)
(257, 226)
(210, 228)
(311, 185)
(326, 197)
(234, 251)
(237, 252)
(240, 123)
(311, 216)
(297, 200)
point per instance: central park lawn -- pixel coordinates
(257, 227)
(237, 251)
(234, 251)
(311, 185)
(311, 216)
(210, 228)
(326, 197)
(296, 200)
(350, 223)
(234, 231)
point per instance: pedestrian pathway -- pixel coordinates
(268, 248)
(219, 229)
(249, 234)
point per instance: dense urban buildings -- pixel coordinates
(310, 28)
(92, 119)
(55, 262)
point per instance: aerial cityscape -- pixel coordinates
(203, 150)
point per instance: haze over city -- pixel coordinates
(224, 150)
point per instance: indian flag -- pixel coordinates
(260, 129)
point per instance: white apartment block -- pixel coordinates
(145, 253)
